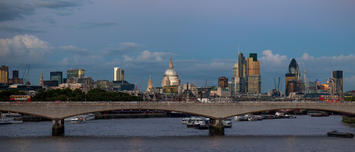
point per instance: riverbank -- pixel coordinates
(349, 120)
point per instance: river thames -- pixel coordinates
(168, 134)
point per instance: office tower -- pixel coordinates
(75, 73)
(253, 74)
(239, 75)
(338, 82)
(246, 75)
(14, 74)
(293, 83)
(118, 74)
(223, 82)
(4, 74)
(57, 75)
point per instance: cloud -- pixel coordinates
(14, 9)
(22, 48)
(274, 59)
(74, 49)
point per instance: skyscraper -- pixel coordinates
(293, 81)
(4, 74)
(239, 75)
(338, 83)
(118, 74)
(246, 75)
(57, 75)
(253, 74)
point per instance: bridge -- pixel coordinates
(58, 111)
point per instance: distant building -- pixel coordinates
(50, 83)
(15, 79)
(293, 83)
(4, 74)
(75, 73)
(337, 84)
(118, 74)
(223, 82)
(246, 75)
(123, 86)
(41, 80)
(170, 82)
(104, 85)
(57, 75)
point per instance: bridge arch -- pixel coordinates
(278, 109)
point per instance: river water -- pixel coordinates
(168, 134)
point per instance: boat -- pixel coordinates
(318, 114)
(241, 118)
(81, 118)
(227, 123)
(184, 120)
(11, 118)
(202, 123)
(340, 134)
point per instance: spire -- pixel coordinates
(150, 84)
(171, 63)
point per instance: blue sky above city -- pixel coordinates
(202, 37)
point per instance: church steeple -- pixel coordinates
(171, 63)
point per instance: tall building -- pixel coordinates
(150, 84)
(118, 74)
(75, 73)
(4, 74)
(239, 75)
(293, 82)
(253, 74)
(57, 75)
(246, 75)
(15, 79)
(170, 82)
(338, 79)
(223, 82)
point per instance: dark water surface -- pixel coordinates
(168, 134)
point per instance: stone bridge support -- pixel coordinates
(216, 127)
(58, 127)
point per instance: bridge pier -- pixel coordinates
(58, 127)
(216, 127)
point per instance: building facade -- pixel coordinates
(75, 73)
(57, 75)
(246, 75)
(223, 82)
(118, 74)
(293, 82)
(4, 74)
(170, 82)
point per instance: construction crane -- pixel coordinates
(26, 74)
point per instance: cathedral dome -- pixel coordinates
(170, 72)
(171, 77)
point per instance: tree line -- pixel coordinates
(72, 95)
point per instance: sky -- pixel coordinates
(202, 36)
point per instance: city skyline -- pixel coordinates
(203, 44)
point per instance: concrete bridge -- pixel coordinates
(57, 111)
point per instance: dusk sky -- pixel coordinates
(202, 37)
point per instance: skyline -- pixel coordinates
(140, 38)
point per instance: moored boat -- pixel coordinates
(340, 134)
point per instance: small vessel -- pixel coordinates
(184, 120)
(227, 123)
(241, 118)
(11, 118)
(340, 134)
(318, 114)
(81, 118)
